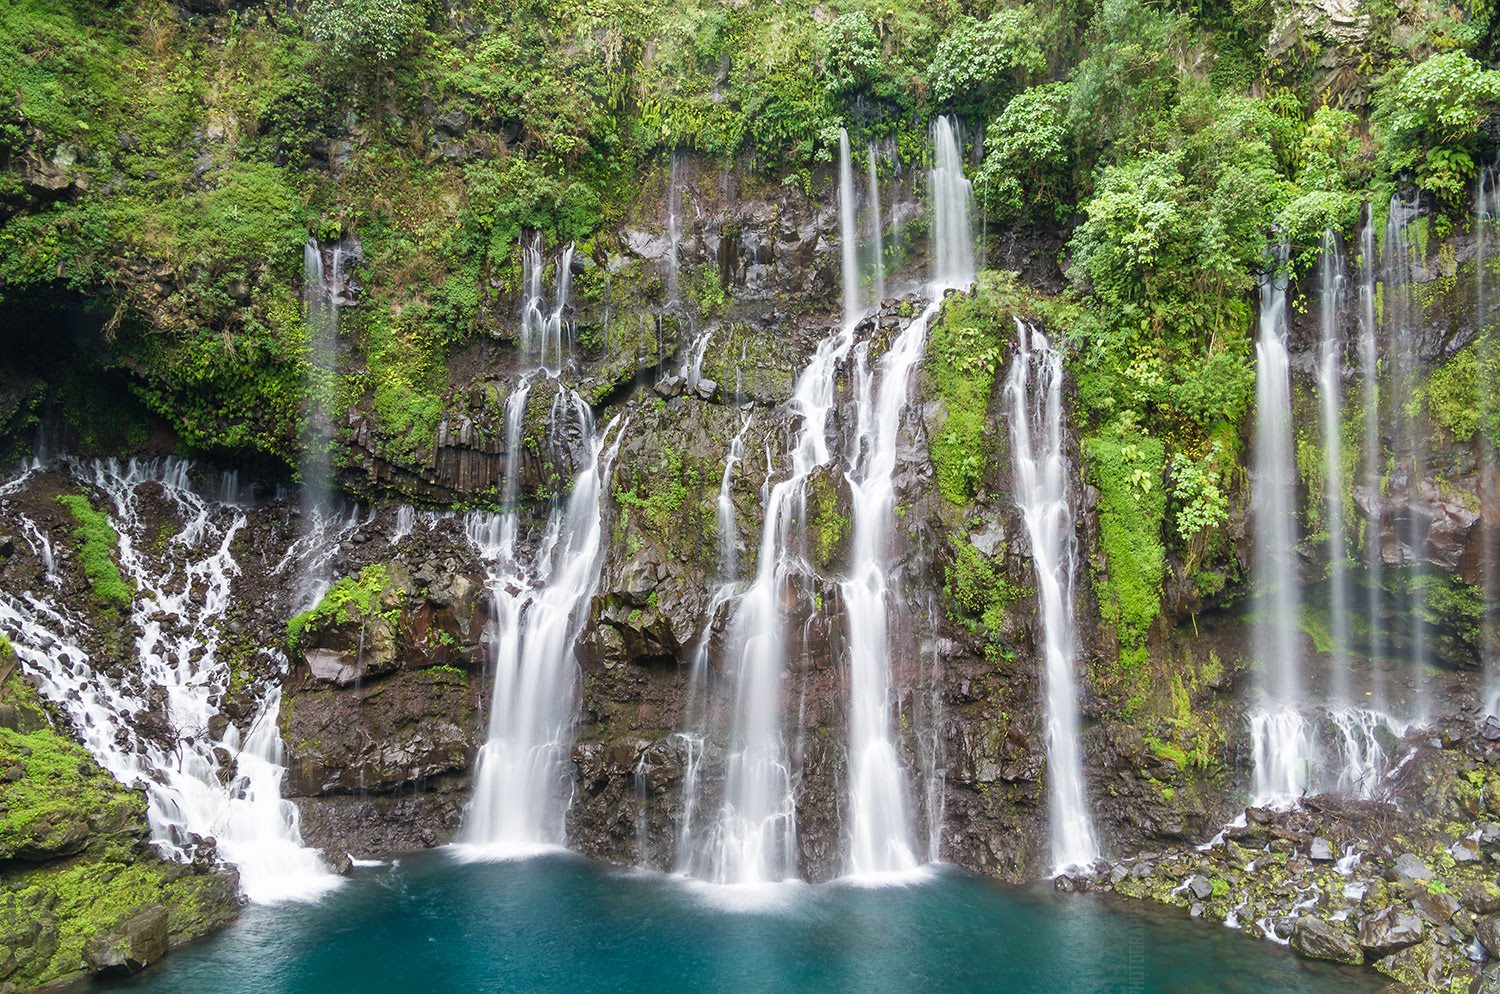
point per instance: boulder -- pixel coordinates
(1200, 887)
(1487, 930)
(1321, 851)
(1388, 930)
(1482, 898)
(129, 947)
(1436, 908)
(1317, 939)
(1408, 867)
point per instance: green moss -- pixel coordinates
(826, 525)
(965, 351)
(351, 598)
(1126, 467)
(61, 796)
(659, 493)
(1457, 399)
(97, 542)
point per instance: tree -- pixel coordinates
(376, 30)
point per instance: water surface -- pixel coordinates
(560, 923)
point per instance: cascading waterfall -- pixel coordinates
(1486, 203)
(754, 838)
(1330, 370)
(321, 292)
(1033, 393)
(1370, 460)
(1281, 736)
(880, 831)
(873, 227)
(182, 591)
(1400, 313)
(952, 209)
(674, 229)
(522, 777)
(848, 232)
(694, 735)
(546, 333)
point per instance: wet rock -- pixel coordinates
(1320, 851)
(1487, 931)
(1436, 908)
(1408, 867)
(129, 947)
(1388, 930)
(1482, 898)
(1200, 887)
(1317, 939)
(1428, 965)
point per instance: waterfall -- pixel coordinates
(695, 731)
(523, 776)
(757, 827)
(875, 236)
(953, 210)
(674, 229)
(1485, 207)
(1401, 314)
(1330, 369)
(182, 593)
(1033, 394)
(880, 831)
(754, 837)
(881, 840)
(546, 333)
(1280, 733)
(1370, 459)
(848, 237)
(320, 287)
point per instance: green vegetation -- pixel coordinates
(1168, 129)
(977, 590)
(659, 493)
(97, 542)
(349, 599)
(83, 868)
(966, 350)
(1458, 394)
(1127, 470)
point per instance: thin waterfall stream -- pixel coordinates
(1039, 463)
(1280, 734)
(523, 773)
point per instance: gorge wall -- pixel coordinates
(702, 274)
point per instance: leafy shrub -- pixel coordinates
(981, 63)
(374, 29)
(1027, 156)
(1429, 118)
(852, 58)
(1197, 490)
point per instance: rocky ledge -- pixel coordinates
(81, 890)
(1405, 882)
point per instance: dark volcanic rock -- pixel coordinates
(1317, 939)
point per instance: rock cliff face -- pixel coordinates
(386, 698)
